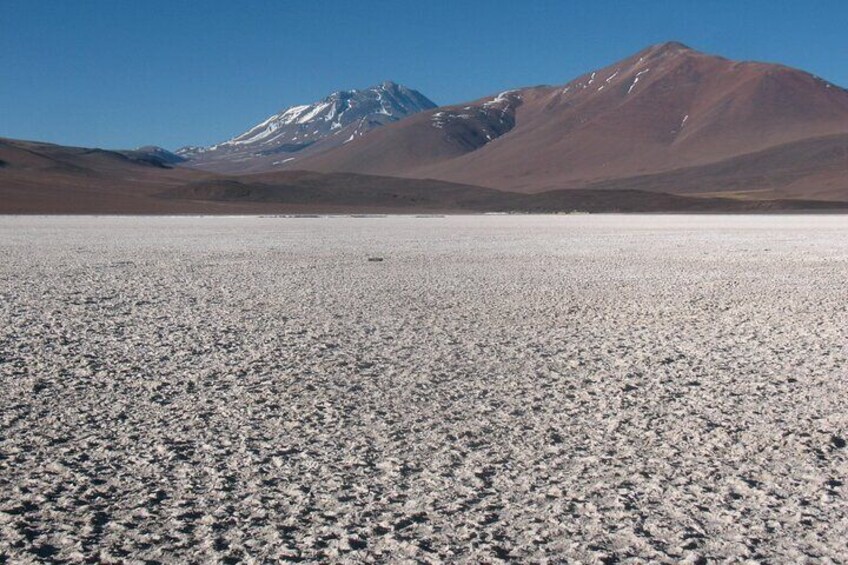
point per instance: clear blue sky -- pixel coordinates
(122, 73)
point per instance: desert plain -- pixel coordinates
(578, 388)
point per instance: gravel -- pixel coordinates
(528, 388)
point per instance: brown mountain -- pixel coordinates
(666, 119)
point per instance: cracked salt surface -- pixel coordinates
(581, 388)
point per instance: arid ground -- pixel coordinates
(531, 388)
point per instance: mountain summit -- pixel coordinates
(309, 129)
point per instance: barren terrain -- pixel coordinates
(529, 388)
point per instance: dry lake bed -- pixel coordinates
(586, 389)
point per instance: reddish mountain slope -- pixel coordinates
(666, 108)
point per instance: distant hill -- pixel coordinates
(43, 178)
(154, 155)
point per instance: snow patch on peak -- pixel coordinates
(505, 96)
(636, 80)
(489, 120)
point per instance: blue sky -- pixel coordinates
(121, 73)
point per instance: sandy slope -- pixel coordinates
(584, 388)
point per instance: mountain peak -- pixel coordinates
(334, 120)
(672, 46)
(669, 48)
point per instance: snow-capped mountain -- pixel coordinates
(306, 130)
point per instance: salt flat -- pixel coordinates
(561, 388)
